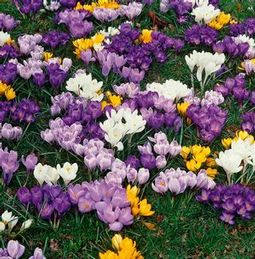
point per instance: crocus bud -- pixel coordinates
(143, 175)
(90, 161)
(30, 162)
(24, 195)
(26, 224)
(132, 175)
(161, 162)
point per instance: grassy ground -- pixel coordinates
(184, 228)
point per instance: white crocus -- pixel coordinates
(83, 85)
(205, 13)
(171, 89)
(120, 123)
(26, 224)
(68, 172)
(2, 226)
(51, 176)
(244, 148)
(134, 122)
(9, 219)
(230, 161)
(4, 38)
(206, 64)
(46, 173)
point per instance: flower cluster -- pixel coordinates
(7, 91)
(162, 151)
(51, 202)
(50, 175)
(234, 200)
(108, 200)
(8, 222)
(237, 158)
(195, 157)
(123, 248)
(206, 63)
(7, 22)
(177, 181)
(246, 27)
(75, 22)
(209, 119)
(15, 250)
(121, 123)
(55, 38)
(7, 131)
(201, 34)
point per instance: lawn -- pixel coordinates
(183, 227)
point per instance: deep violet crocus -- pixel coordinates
(55, 38)
(234, 200)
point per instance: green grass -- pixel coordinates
(184, 228)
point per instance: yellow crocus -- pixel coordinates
(185, 152)
(182, 108)
(211, 172)
(145, 208)
(108, 255)
(220, 21)
(3, 88)
(210, 162)
(200, 157)
(47, 56)
(193, 165)
(10, 94)
(226, 142)
(116, 241)
(145, 36)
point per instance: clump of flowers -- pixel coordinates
(196, 157)
(241, 45)
(83, 85)
(246, 27)
(205, 13)
(50, 175)
(84, 44)
(15, 250)
(139, 207)
(201, 34)
(55, 38)
(7, 22)
(75, 21)
(233, 201)
(7, 91)
(205, 63)
(170, 89)
(156, 155)
(7, 131)
(108, 200)
(238, 157)
(8, 72)
(50, 201)
(209, 119)
(121, 123)
(9, 221)
(123, 248)
(178, 181)
(220, 21)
